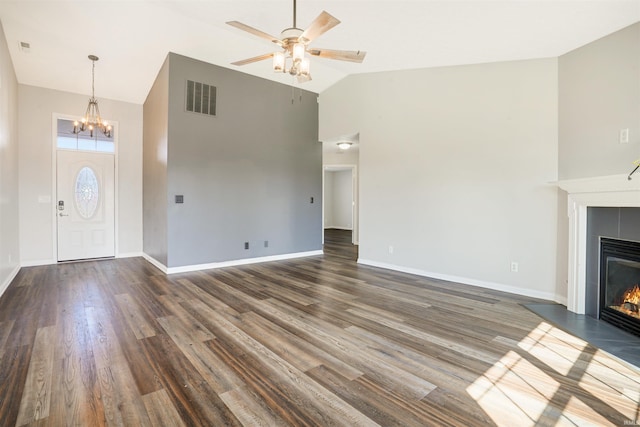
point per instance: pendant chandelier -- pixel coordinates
(92, 120)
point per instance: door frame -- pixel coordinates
(54, 181)
(355, 193)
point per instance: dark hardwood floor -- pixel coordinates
(337, 243)
(316, 341)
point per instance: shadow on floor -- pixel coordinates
(600, 334)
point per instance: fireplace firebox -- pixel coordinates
(620, 283)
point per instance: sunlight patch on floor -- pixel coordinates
(620, 391)
(514, 391)
(507, 397)
(577, 413)
(550, 347)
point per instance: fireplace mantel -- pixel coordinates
(602, 191)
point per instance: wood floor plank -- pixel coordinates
(250, 409)
(341, 343)
(194, 399)
(161, 410)
(14, 366)
(37, 391)
(122, 404)
(293, 349)
(75, 393)
(208, 365)
(76, 397)
(104, 341)
(5, 330)
(192, 326)
(364, 395)
(309, 393)
(313, 341)
(134, 317)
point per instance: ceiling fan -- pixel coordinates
(295, 43)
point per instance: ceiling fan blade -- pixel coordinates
(323, 23)
(341, 55)
(254, 59)
(255, 32)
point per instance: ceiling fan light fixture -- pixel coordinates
(305, 67)
(344, 145)
(279, 62)
(294, 41)
(298, 52)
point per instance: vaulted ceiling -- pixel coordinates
(132, 38)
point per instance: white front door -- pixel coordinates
(85, 205)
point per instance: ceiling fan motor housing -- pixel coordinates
(291, 36)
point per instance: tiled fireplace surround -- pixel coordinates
(614, 191)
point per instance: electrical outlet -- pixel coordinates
(266, 243)
(390, 249)
(311, 199)
(246, 245)
(624, 136)
(514, 267)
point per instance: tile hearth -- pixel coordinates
(597, 333)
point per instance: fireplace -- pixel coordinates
(620, 283)
(600, 191)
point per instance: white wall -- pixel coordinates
(9, 238)
(36, 108)
(455, 170)
(338, 199)
(334, 156)
(327, 201)
(600, 95)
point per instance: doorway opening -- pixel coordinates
(340, 203)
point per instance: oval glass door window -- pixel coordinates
(87, 192)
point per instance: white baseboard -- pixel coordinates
(464, 280)
(36, 263)
(560, 299)
(232, 263)
(157, 264)
(51, 261)
(9, 279)
(129, 255)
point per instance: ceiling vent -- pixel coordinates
(201, 98)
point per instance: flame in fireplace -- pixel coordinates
(632, 295)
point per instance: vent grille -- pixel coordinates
(201, 98)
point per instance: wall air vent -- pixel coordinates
(201, 98)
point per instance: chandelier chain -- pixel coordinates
(93, 79)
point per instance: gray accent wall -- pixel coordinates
(617, 223)
(154, 158)
(9, 224)
(246, 175)
(599, 94)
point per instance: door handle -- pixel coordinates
(61, 214)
